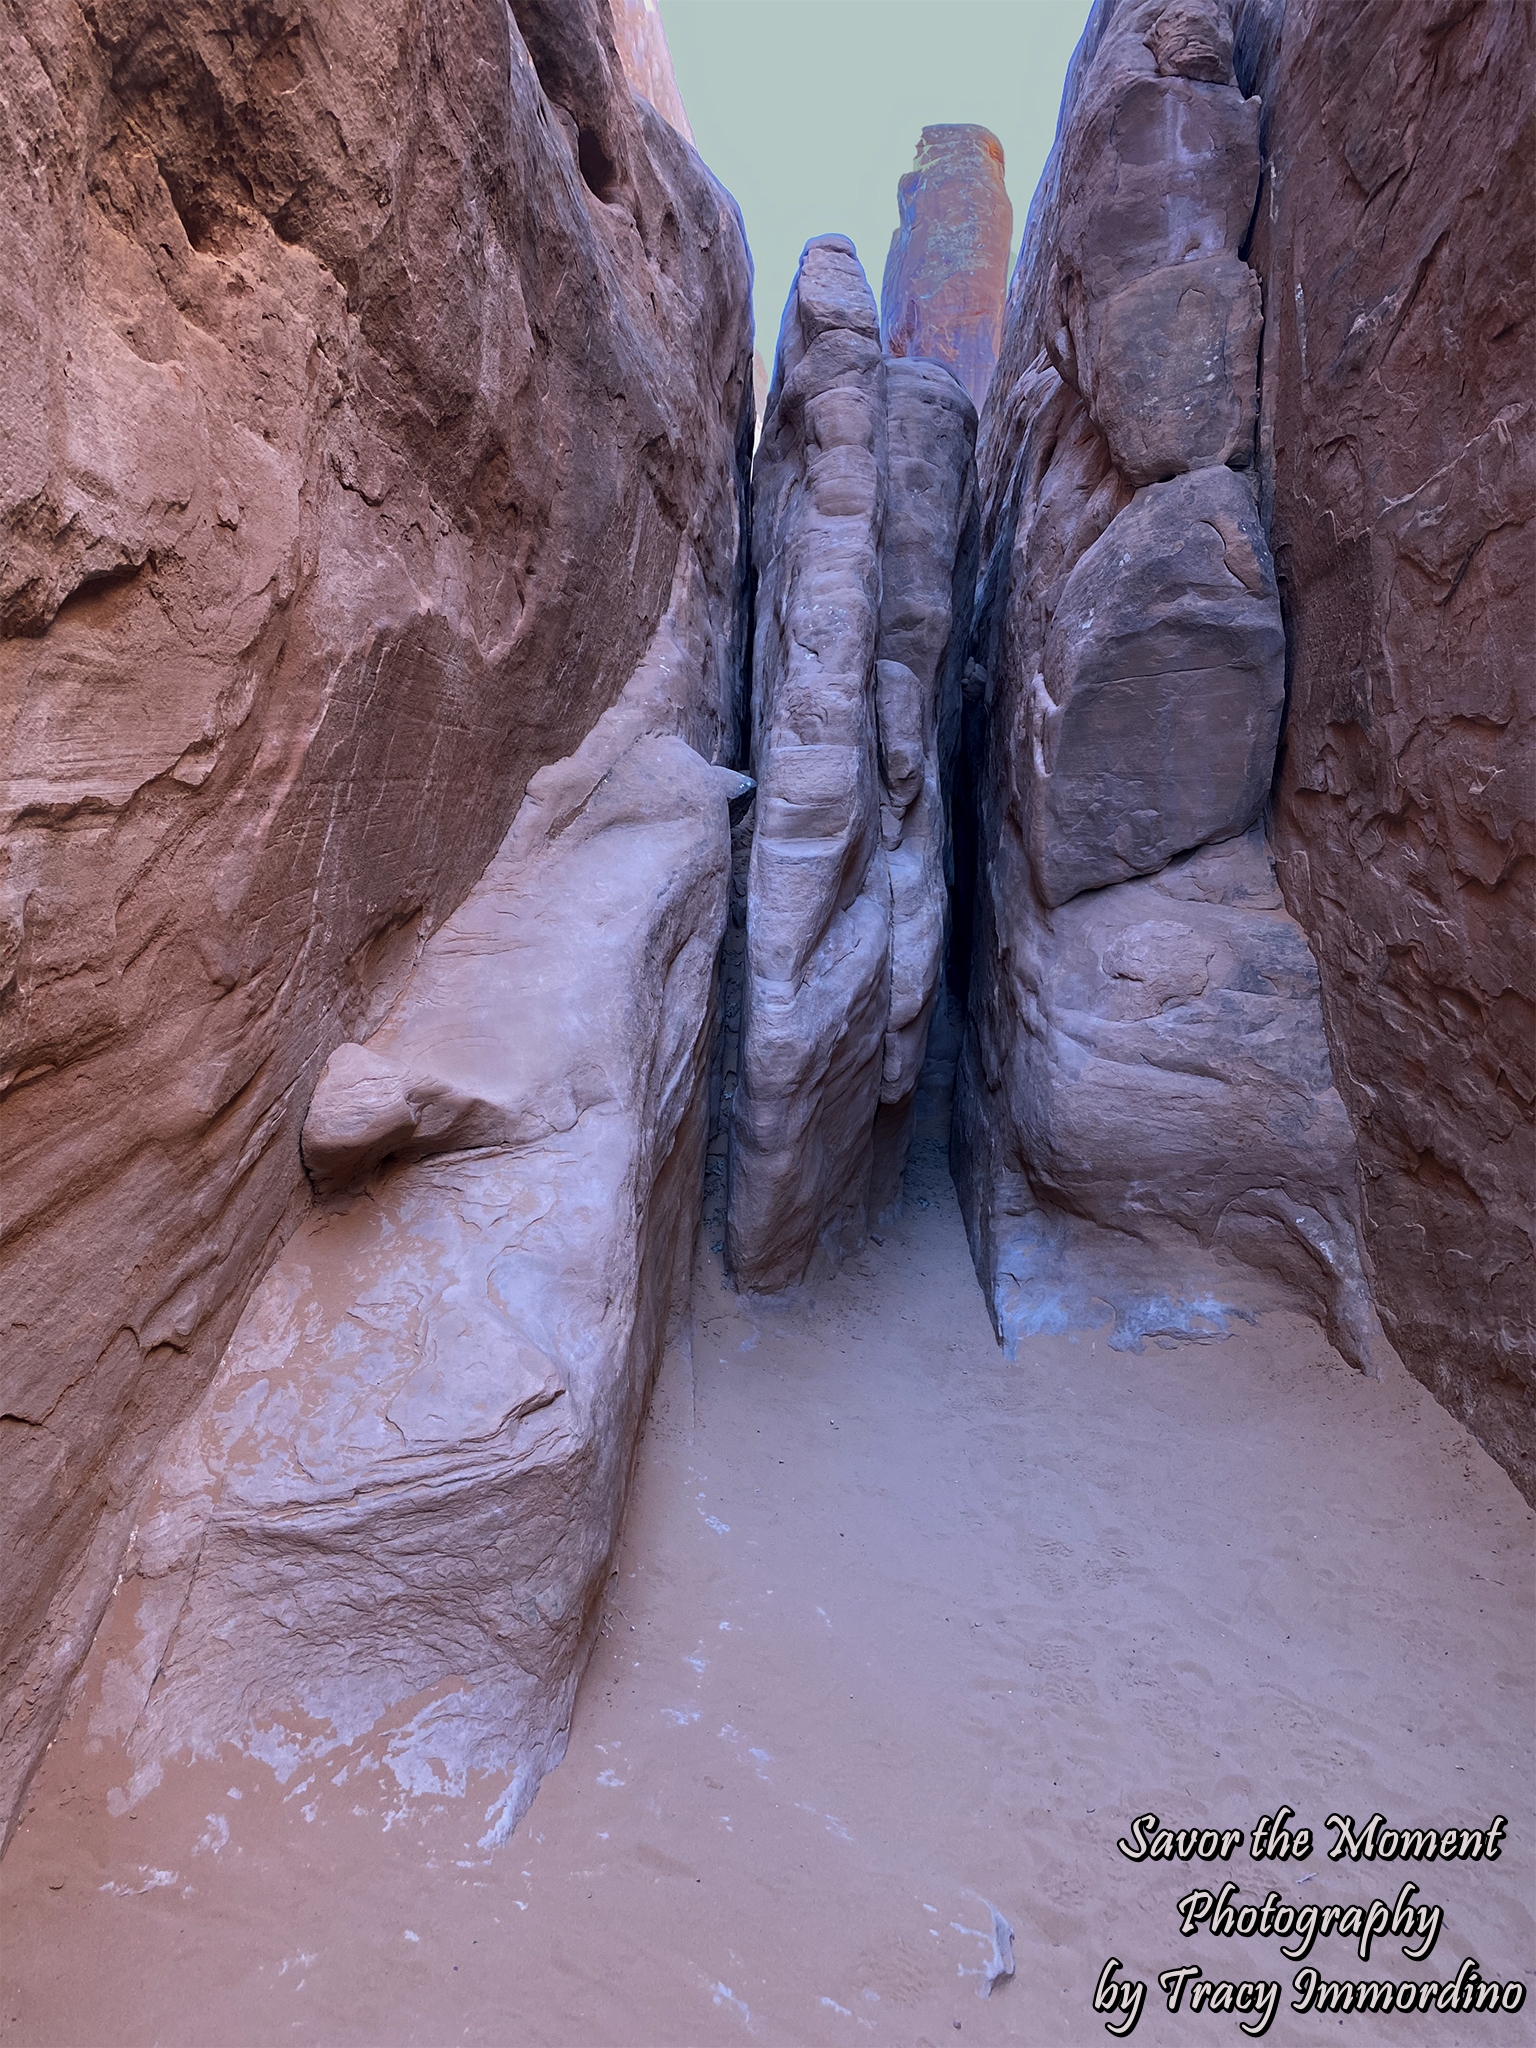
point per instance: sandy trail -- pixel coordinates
(899, 1633)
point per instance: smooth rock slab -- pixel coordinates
(1155, 727)
(387, 1524)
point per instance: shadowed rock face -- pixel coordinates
(1147, 1131)
(942, 295)
(863, 504)
(1399, 472)
(927, 580)
(376, 382)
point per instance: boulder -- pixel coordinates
(941, 299)
(1145, 304)
(385, 1529)
(1155, 726)
(1155, 171)
(1193, 39)
(1170, 368)
(376, 378)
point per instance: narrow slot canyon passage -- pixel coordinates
(768, 1141)
(899, 1633)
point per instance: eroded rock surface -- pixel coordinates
(1168, 1082)
(863, 499)
(375, 382)
(388, 1522)
(1144, 1104)
(815, 998)
(1163, 685)
(1399, 470)
(941, 298)
(1149, 310)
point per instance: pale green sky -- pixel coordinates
(809, 110)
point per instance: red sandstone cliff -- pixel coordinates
(376, 401)
(1398, 461)
(374, 384)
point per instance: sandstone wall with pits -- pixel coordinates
(1397, 466)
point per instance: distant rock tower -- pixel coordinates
(947, 273)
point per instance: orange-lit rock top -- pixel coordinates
(642, 46)
(947, 273)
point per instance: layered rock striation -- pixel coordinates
(863, 536)
(1144, 1096)
(1398, 470)
(376, 385)
(946, 276)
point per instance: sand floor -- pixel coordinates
(900, 1634)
